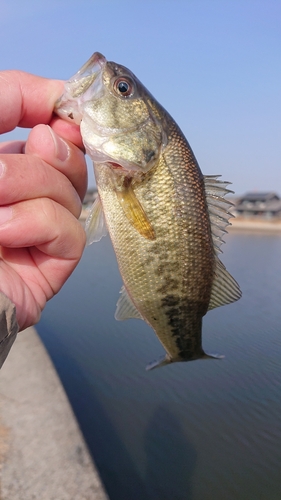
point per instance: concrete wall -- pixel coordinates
(42, 452)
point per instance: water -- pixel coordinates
(204, 430)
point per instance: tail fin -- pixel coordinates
(166, 359)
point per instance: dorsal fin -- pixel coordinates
(125, 308)
(225, 289)
(218, 208)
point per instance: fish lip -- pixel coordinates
(88, 68)
(78, 88)
(89, 73)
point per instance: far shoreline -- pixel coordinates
(255, 224)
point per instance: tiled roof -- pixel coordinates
(259, 196)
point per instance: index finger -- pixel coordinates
(26, 100)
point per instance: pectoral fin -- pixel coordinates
(134, 212)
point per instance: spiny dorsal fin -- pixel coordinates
(95, 226)
(218, 208)
(225, 289)
(125, 308)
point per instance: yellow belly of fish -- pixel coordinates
(169, 278)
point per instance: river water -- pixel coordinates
(204, 430)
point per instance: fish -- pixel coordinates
(166, 220)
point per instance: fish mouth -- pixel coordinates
(80, 88)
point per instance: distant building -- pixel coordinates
(258, 205)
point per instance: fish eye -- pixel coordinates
(123, 87)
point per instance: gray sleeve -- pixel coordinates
(8, 326)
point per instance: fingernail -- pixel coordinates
(62, 149)
(5, 214)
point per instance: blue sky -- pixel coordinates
(215, 65)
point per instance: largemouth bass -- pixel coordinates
(165, 219)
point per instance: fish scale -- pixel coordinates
(165, 219)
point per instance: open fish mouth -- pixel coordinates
(82, 87)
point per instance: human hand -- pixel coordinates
(42, 183)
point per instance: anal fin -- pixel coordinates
(157, 363)
(125, 308)
(208, 355)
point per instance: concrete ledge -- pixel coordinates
(42, 452)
